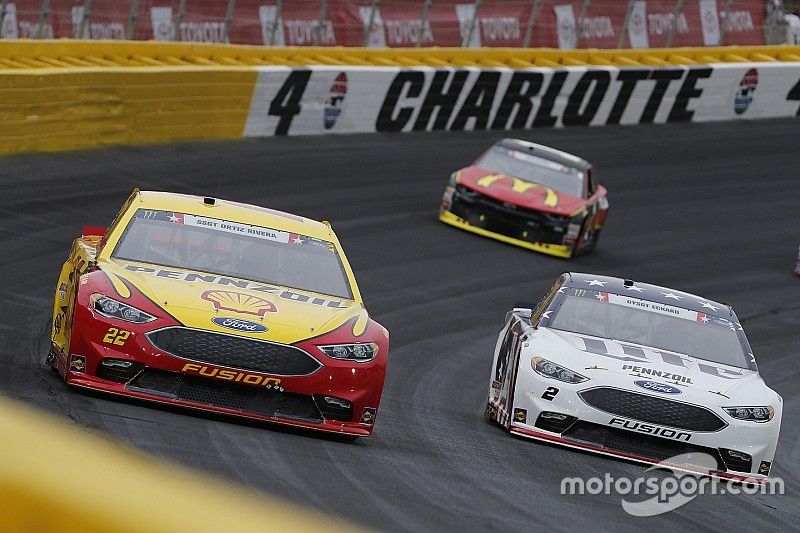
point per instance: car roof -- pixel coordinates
(545, 152)
(232, 211)
(647, 291)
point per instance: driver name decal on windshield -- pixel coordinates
(645, 305)
(227, 226)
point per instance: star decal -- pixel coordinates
(173, 218)
(704, 319)
(597, 282)
(634, 288)
(602, 296)
(546, 314)
(670, 295)
(709, 306)
(561, 290)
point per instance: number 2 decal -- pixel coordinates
(116, 336)
(550, 393)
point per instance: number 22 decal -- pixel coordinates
(116, 336)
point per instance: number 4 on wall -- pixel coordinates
(286, 103)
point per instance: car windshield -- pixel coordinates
(624, 318)
(534, 169)
(230, 248)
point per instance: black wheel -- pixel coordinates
(50, 360)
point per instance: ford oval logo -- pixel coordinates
(657, 387)
(237, 324)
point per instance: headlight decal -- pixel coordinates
(111, 308)
(360, 352)
(753, 414)
(549, 369)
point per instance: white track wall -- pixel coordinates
(345, 99)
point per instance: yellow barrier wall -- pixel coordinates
(71, 53)
(56, 109)
(56, 477)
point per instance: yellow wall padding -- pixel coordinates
(57, 109)
(56, 477)
(55, 53)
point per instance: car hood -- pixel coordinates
(519, 192)
(603, 359)
(196, 298)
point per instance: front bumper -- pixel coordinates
(311, 401)
(558, 250)
(588, 428)
(504, 222)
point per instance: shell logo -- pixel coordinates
(239, 302)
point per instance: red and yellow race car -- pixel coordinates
(220, 306)
(528, 195)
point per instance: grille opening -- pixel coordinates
(648, 408)
(234, 352)
(640, 445)
(555, 422)
(512, 221)
(736, 460)
(217, 393)
(334, 408)
(118, 370)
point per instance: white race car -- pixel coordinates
(636, 371)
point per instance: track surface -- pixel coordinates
(704, 208)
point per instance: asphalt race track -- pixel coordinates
(711, 209)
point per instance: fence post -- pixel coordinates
(228, 18)
(176, 21)
(421, 30)
(579, 28)
(323, 14)
(624, 29)
(87, 11)
(43, 16)
(2, 15)
(371, 23)
(674, 29)
(531, 23)
(726, 23)
(466, 39)
(133, 17)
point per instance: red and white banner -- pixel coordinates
(398, 23)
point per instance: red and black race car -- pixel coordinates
(528, 195)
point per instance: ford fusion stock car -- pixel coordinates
(528, 195)
(636, 371)
(220, 306)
